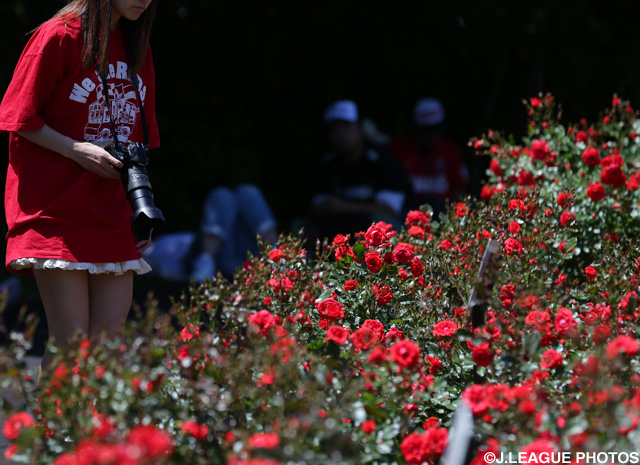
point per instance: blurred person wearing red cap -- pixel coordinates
(433, 163)
(359, 181)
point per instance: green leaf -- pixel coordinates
(358, 251)
(324, 295)
(571, 244)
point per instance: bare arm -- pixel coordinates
(90, 156)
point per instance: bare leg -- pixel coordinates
(109, 303)
(65, 298)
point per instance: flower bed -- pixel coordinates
(361, 355)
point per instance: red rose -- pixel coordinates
(482, 355)
(581, 136)
(487, 191)
(525, 179)
(403, 252)
(613, 177)
(514, 227)
(537, 448)
(337, 334)
(377, 356)
(474, 397)
(276, 255)
(461, 210)
(364, 338)
(63, 459)
(495, 167)
(414, 449)
(445, 328)
(595, 191)
(437, 439)
(383, 294)
(417, 268)
(435, 364)
(154, 442)
(376, 327)
(340, 240)
(14, 424)
(566, 217)
(405, 353)
(562, 248)
(61, 372)
(564, 321)
(330, 309)
(394, 333)
(601, 333)
(432, 422)
(350, 285)
(446, 244)
(196, 430)
(540, 150)
(375, 236)
(611, 173)
(634, 182)
(551, 359)
(591, 273)
(563, 199)
(368, 426)
(262, 321)
(622, 345)
(535, 102)
(264, 441)
(374, 261)
(512, 246)
(591, 156)
(416, 231)
(538, 318)
(416, 217)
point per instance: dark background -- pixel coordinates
(241, 86)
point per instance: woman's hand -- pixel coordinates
(91, 156)
(94, 157)
(143, 245)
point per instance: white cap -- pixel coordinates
(344, 110)
(428, 112)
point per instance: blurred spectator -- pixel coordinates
(433, 163)
(359, 182)
(231, 222)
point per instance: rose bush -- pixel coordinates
(361, 355)
(587, 174)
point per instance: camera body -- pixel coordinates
(146, 216)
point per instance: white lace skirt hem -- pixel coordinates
(138, 266)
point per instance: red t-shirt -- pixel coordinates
(440, 173)
(54, 207)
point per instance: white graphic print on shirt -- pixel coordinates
(123, 102)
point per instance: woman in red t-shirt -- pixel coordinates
(67, 213)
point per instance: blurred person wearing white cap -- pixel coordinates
(359, 182)
(433, 163)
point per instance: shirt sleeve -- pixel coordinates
(38, 70)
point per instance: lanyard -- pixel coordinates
(145, 128)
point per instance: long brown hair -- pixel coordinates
(95, 17)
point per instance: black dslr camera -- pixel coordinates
(146, 216)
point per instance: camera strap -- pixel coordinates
(145, 128)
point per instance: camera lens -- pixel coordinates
(146, 216)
